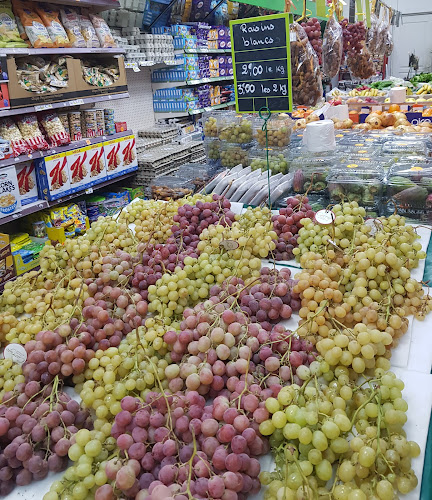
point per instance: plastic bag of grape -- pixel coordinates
(332, 47)
(306, 77)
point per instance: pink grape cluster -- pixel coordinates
(157, 259)
(190, 221)
(116, 270)
(177, 447)
(287, 224)
(312, 28)
(37, 426)
(270, 298)
(354, 36)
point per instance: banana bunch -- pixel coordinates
(336, 92)
(366, 93)
(426, 89)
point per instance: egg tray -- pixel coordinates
(159, 132)
(146, 143)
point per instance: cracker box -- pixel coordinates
(7, 270)
(52, 175)
(26, 174)
(120, 156)
(86, 167)
(10, 201)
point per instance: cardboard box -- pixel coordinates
(7, 270)
(19, 97)
(10, 199)
(27, 183)
(22, 267)
(120, 156)
(52, 175)
(83, 89)
(86, 167)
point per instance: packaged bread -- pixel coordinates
(51, 20)
(102, 30)
(33, 25)
(8, 28)
(88, 31)
(71, 22)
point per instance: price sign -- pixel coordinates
(262, 63)
(16, 353)
(76, 102)
(43, 107)
(325, 217)
(229, 244)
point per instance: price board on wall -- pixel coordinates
(262, 63)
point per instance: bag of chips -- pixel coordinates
(54, 129)
(10, 132)
(52, 23)
(31, 133)
(88, 32)
(34, 28)
(71, 22)
(102, 30)
(8, 28)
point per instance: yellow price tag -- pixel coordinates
(359, 144)
(352, 165)
(416, 169)
(339, 135)
(364, 159)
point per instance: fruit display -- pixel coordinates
(361, 64)
(354, 36)
(310, 173)
(425, 89)
(232, 155)
(362, 182)
(409, 189)
(235, 129)
(312, 28)
(404, 147)
(332, 47)
(211, 123)
(278, 163)
(279, 129)
(366, 91)
(212, 148)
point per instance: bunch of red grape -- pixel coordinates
(37, 425)
(287, 225)
(205, 451)
(313, 30)
(354, 36)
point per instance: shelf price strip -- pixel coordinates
(262, 63)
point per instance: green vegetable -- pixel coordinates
(382, 85)
(422, 77)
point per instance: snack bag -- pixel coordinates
(8, 28)
(31, 133)
(10, 132)
(332, 47)
(54, 129)
(52, 23)
(71, 22)
(21, 29)
(373, 34)
(34, 28)
(88, 32)
(361, 64)
(306, 78)
(102, 30)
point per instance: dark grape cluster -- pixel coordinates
(354, 36)
(312, 28)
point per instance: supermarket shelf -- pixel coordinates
(64, 50)
(180, 114)
(167, 85)
(42, 204)
(98, 5)
(203, 51)
(63, 104)
(63, 149)
(148, 64)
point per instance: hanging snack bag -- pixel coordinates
(71, 22)
(361, 64)
(102, 30)
(54, 129)
(10, 132)
(306, 79)
(31, 133)
(88, 32)
(373, 34)
(52, 23)
(8, 28)
(33, 25)
(332, 47)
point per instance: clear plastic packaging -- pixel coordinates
(31, 133)
(306, 79)
(10, 132)
(332, 47)
(278, 162)
(310, 173)
(232, 155)
(362, 182)
(65, 122)
(56, 133)
(211, 122)
(213, 149)
(169, 187)
(75, 125)
(236, 129)
(373, 34)
(279, 129)
(88, 123)
(404, 147)
(409, 189)
(361, 64)
(196, 173)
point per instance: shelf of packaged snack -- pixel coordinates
(39, 205)
(203, 51)
(179, 114)
(167, 85)
(98, 5)
(62, 104)
(64, 50)
(148, 64)
(62, 149)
